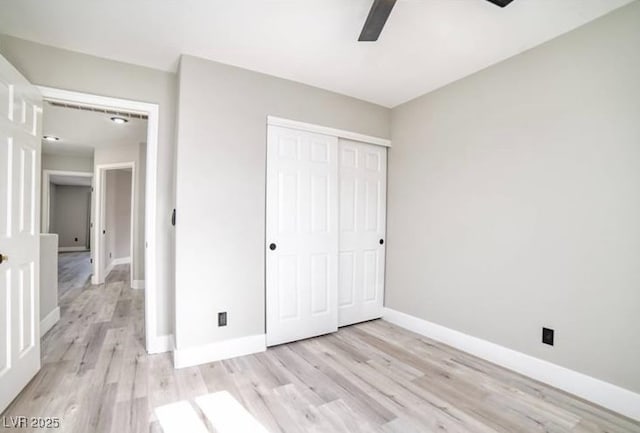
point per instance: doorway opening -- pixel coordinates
(116, 211)
(140, 171)
(66, 212)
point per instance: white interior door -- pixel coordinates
(20, 131)
(302, 235)
(363, 198)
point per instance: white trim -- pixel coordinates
(161, 344)
(121, 261)
(597, 391)
(226, 349)
(340, 133)
(97, 101)
(46, 199)
(49, 321)
(113, 264)
(137, 284)
(151, 235)
(70, 249)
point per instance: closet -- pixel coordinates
(325, 230)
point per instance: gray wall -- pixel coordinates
(48, 273)
(514, 202)
(70, 214)
(123, 214)
(221, 188)
(64, 162)
(52, 204)
(118, 214)
(54, 67)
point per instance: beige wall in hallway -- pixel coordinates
(514, 202)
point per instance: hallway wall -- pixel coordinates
(70, 215)
(118, 215)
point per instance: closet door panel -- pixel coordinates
(302, 235)
(362, 173)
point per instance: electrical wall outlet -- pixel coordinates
(547, 336)
(222, 318)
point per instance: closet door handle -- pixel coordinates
(272, 246)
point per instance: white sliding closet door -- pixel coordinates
(301, 235)
(363, 197)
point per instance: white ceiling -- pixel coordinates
(425, 44)
(70, 180)
(81, 132)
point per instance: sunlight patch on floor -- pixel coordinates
(223, 411)
(180, 417)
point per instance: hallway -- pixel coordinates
(94, 364)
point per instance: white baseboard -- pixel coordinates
(137, 284)
(49, 321)
(197, 355)
(161, 344)
(114, 263)
(595, 390)
(70, 249)
(120, 261)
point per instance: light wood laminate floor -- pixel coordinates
(372, 377)
(74, 269)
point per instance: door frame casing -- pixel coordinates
(100, 266)
(153, 342)
(326, 130)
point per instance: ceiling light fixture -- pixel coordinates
(119, 120)
(51, 138)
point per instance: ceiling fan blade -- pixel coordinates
(501, 3)
(376, 19)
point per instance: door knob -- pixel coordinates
(381, 241)
(272, 247)
(3, 258)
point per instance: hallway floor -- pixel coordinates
(74, 269)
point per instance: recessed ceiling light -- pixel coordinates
(51, 138)
(119, 120)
